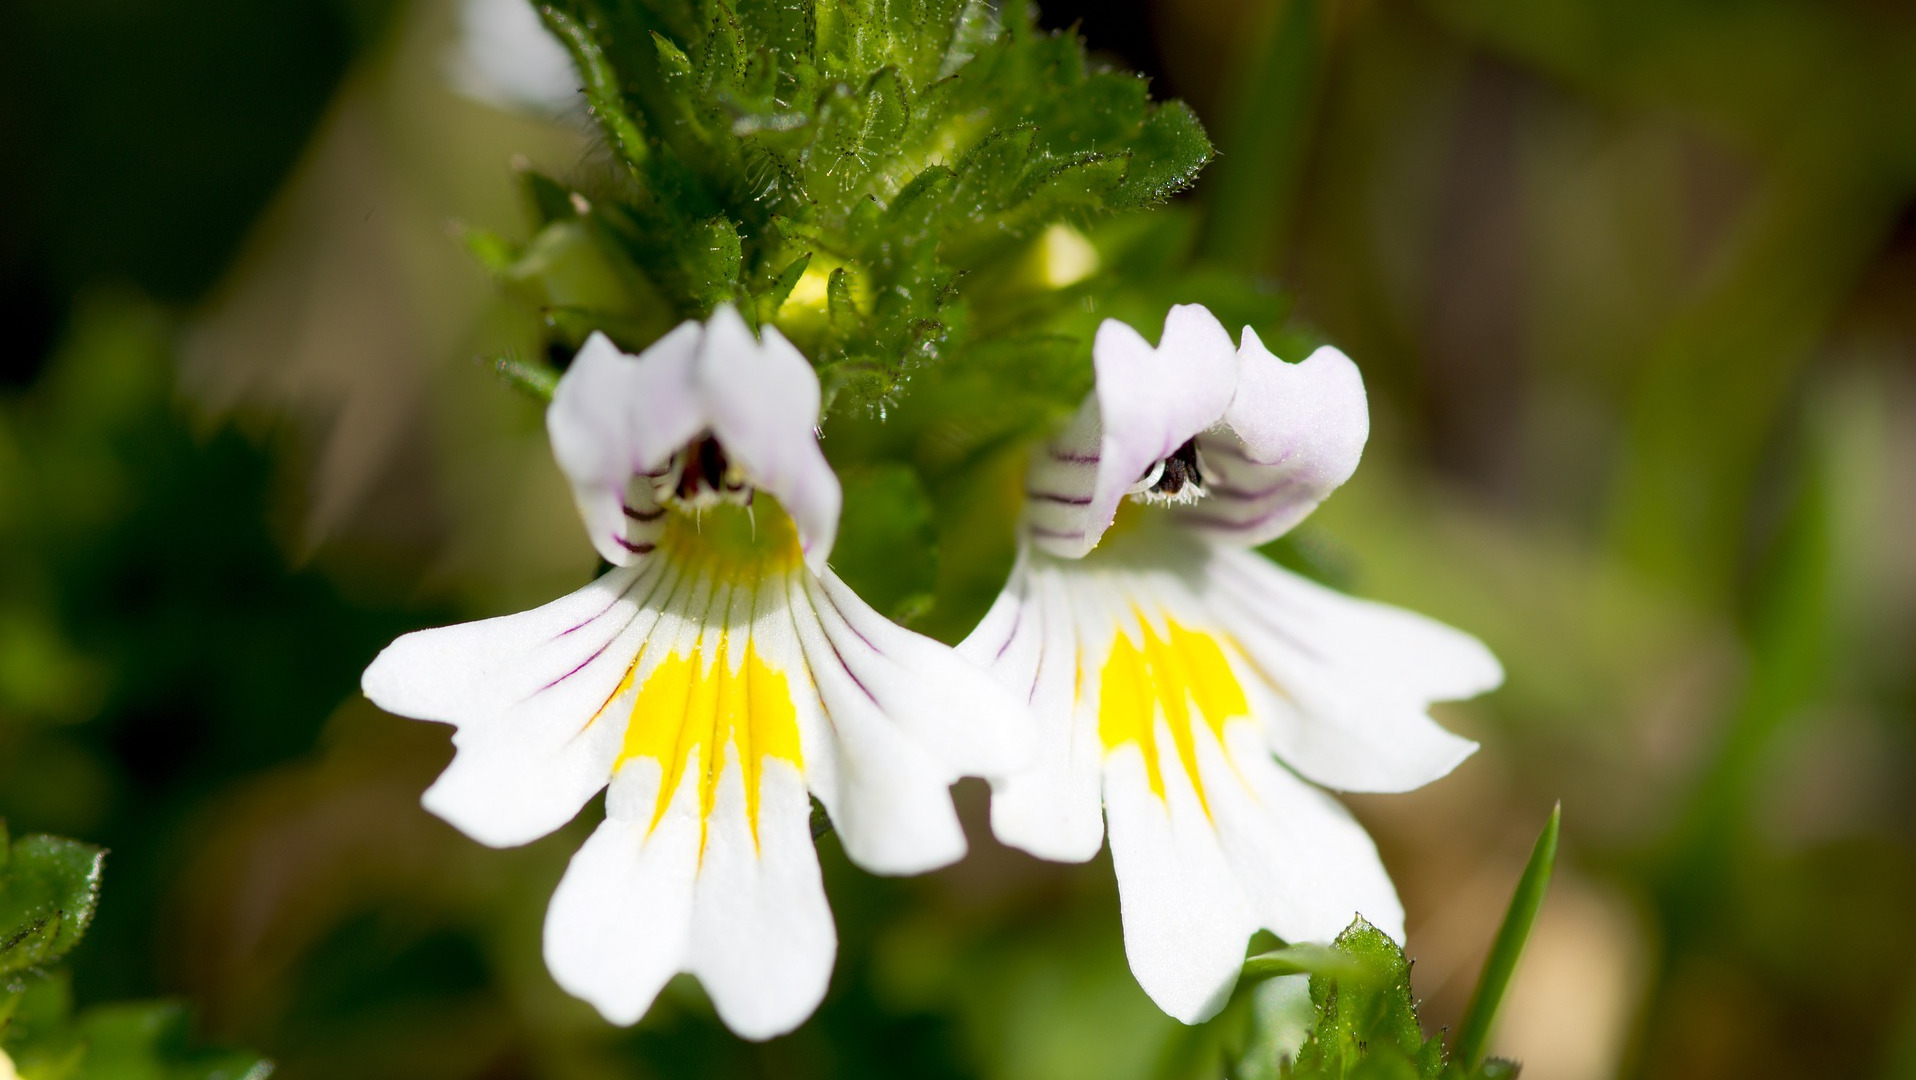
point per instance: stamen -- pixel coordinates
(1178, 479)
(700, 476)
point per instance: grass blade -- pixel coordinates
(1474, 1034)
(1255, 181)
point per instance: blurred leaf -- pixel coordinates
(153, 1041)
(1252, 189)
(887, 549)
(534, 379)
(49, 888)
(130, 1041)
(1473, 1035)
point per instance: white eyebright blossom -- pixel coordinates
(1197, 693)
(715, 677)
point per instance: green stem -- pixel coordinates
(1297, 960)
(1259, 168)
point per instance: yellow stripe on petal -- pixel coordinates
(692, 706)
(1181, 675)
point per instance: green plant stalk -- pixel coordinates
(1297, 960)
(1254, 183)
(1473, 1035)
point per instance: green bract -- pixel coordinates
(48, 890)
(860, 174)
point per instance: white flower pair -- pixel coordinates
(720, 673)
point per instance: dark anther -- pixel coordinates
(1180, 471)
(704, 469)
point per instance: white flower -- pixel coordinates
(506, 57)
(1167, 664)
(716, 676)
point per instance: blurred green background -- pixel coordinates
(1633, 287)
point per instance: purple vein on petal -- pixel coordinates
(1287, 484)
(1213, 520)
(826, 633)
(1017, 620)
(1037, 670)
(596, 653)
(856, 632)
(638, 657)
(610, 638)
(811, 676)
(610, 604)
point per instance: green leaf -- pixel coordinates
(781, 288)
(1171, 149)
(601, 83)
(715, 262)
(1473, 1035)
(1367, 1021)
(530, 377)
(48, 890)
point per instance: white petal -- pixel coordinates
(1151, 401)
(531, 696)
(1294, 434)
(1345, 685)
(620, 922)
(763, 398)
(762, 936)
(1029, 640)
(889, 800)
(1186, 919)
(1307, 866)
(944, 702)
(1061, 483)
(614, 417)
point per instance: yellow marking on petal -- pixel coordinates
(699, 705)
(713, 697)
(1181, 675)
(736, 545)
